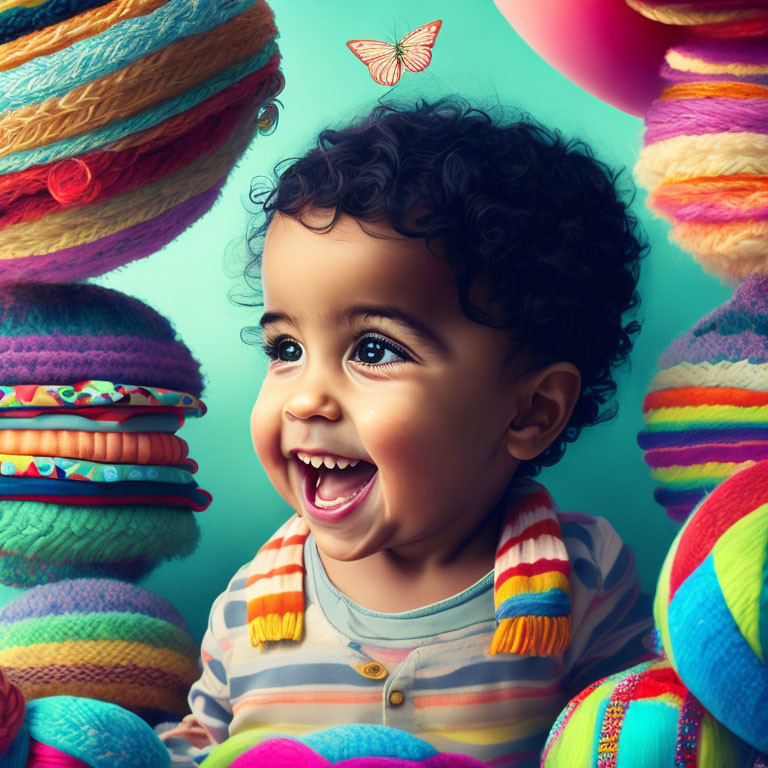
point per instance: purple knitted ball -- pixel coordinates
(63, 333)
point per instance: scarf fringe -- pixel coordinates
(532, 635)
(275, 626)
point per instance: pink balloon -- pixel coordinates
(601, 45)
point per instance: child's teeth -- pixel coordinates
(329, 462)
(317, 461)
(342, 463)
(323, 503)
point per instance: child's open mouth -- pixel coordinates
(335, 488)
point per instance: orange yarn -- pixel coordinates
(721, 90)
(122, 447)
(691, 396)
(140, 86)
(59, 36)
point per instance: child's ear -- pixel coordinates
(543, 402)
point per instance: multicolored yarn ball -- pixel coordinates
(42, 543)
(76, 732)
(705, 150)
(641, 718)
(711, 605)
(716, 18)
(99, 639)
(59, 333)
(120, 122)
(346, 746)
(706, 411)
(12, 710)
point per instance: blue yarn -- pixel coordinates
(648, 735)
(553, 602)
(51, 76)
(732, 683)
(16, 755)
(347, 742)
(101, 734)
(87, 142)
(19, 21)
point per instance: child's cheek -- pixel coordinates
(265, 434)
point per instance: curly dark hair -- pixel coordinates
(535, 216)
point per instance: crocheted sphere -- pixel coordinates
(641, 718)
(100, 639)
(58, 333)
(706, 413)
(100, 734)
(42, 543)
(119, 123)
(710, 605)
(350, 746)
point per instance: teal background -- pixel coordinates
(479, 56)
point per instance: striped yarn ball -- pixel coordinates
(715, 18)
(100, 639)
(711, 605)
(705, 153)
(706, 412)
(120, 122)
(98, 733)
(641, 718)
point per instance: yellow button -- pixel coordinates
(396, 698)
(373, 670)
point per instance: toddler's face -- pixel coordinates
(374, 362)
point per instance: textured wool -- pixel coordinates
(90, 23)
(18, 21)
(12, 708)
(66, 333)
(137, 661)
(717, 566)
(747, 19)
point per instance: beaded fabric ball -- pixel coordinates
(99, 639)
(120, 122)
(642, 718)
(711, 605)
(706, 411)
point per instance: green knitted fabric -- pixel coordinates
(90, 534)
(25, 572)
(112, 625)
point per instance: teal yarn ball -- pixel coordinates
(101, 734)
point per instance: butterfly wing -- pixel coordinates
(380, 58)
(417, 46)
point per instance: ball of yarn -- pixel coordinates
(99, 639)
(706, 412)
(641, 718)
(120, 122)
(100, 734)
(59, 333)
(710, 605)
(12, 709)
(42, 543)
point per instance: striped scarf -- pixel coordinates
(531, 574)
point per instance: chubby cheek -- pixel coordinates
(265, 434)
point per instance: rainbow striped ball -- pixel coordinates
(711, 605)
(706, 412)
(100, 639)
(641, 718)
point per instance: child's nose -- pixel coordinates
(310, 399)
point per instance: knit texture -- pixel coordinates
(59, 333)
(531, 574)
(706, 412)
(12, 708)
(641, 718)
(128, 658)
(711, 604)
(120, 122)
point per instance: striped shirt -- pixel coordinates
(427, 671)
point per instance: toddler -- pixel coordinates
(443, 304)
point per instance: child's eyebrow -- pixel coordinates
(392, 313)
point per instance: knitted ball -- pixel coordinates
(65, 333)
(120, 122)
(99, 639)
(712, 601)
(641, 718)
(42, 543)
(706, 413)
(100, 734)
(350, 746)
(718, 18)
(705, 152)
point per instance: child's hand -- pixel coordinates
(191, 731)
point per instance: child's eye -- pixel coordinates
(375, 351)
(283, 349)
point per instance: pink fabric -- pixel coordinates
(278, 753)
(44, 756)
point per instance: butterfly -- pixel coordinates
(385, 60)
